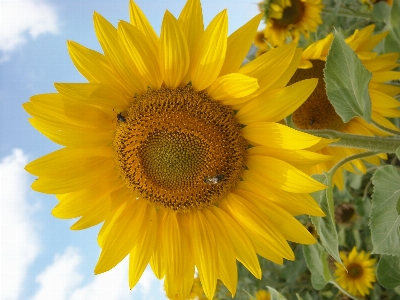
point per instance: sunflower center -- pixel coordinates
(316, 112)
(355, 270)
(179, 149)
(291, 15)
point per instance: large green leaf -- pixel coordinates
(392, 41)
(316, 259)
(325, 226)
(385, 220)
(347, 81)
(388, 271)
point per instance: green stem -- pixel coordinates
(392, 131)
(371, 143)
(347, 13)
(350, 158)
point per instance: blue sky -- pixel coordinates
(41, 258)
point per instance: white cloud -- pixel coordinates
(19, 241)
(62, 280)
(22, 18)
(58, 279)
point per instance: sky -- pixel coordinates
(41, 258)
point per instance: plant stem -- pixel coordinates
(347, 13)
(371, 143)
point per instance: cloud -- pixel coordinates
(22, 18)
(19, 240)
(62, 280)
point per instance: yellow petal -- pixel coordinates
(140, 254)
(108, 37)
(276, 135)
(295, 204)
(69, 162)
(138, 47)
(54, 108)
(205, 252)
(230, 86)
(139, 20)
(157, 259)
(174, 52)
(284, 101)
(277, 59)
(239, 44)
(289, 227)
(384, 76)
(191, 22)
(227, 270)
(93, 65)
(294, 157)
(70, 135)
(254, 221)
(122, 236)
(210, 53)
(280, 174)
(244, 249)
(103, 95)
(82, 180)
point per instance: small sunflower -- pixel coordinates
(290, 18)
(360, 274)
(175, 147)
(318, 113)
(263, 295)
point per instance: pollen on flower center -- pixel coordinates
(179, 148)
(316, 112)
(291, 14)
(355, 270)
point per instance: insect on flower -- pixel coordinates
(214, 179)
(120, 117)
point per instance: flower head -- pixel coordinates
(290, 18)
(360, 273)
(263, 295)
(174, 147)
(318, 113)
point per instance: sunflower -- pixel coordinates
(174, 146)
(263, 295)
(360, 274)
(318, 113)
(290, 18)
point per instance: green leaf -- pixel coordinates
(388, 271)
(275, 295)
(347, 81)
(398, 206)
(398, 153)
(392, 41)
(316, 259)
(385, 220)
(325, 226)
(381, 11)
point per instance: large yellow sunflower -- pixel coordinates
(360, 274)
(174, 146)
(290, 19)
(318, 113)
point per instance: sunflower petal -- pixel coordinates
(140, 254)
(122, 237)
(279, 136)
(174, 52)
(282, 101)
(239, 44)
(230, 86)
(282, 175)
(205, 252)
(209, 55)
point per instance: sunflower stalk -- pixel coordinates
(348, 13)
(371, 143)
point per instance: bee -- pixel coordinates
(214, 179)
(120, 117)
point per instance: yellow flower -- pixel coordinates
(318, 113)
(263, 295)
(360, 272)
(290, 18)
(175, 147)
